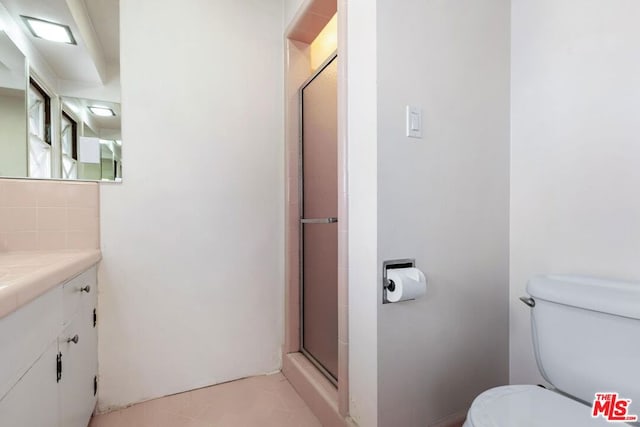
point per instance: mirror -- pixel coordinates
(13, 121)
(59, 102)
(90, 140)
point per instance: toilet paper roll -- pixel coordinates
(410, 283)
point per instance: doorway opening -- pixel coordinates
(315, 351)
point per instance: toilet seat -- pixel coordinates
(529, 406)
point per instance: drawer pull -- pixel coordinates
(74, 340)
(86, 289)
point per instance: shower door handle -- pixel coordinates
(330, 220)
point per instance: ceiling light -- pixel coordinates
(49, 30)
(102, 111)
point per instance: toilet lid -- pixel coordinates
(529, 406)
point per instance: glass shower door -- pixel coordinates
(319, 212)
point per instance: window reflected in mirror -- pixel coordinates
(69, 143)
(39, 131)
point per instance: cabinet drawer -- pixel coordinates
(79, 292)
(25, 334)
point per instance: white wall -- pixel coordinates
(361, 61)
(443, 200)
(13, 133)
(291, 8)
(191, 285)
(575, 152)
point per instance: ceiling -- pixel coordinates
(105, 16)
(95, 25)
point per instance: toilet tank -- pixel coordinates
(586, 335)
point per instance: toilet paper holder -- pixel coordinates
(390, 265)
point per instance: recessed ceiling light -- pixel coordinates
(49, 30)
(102, 111)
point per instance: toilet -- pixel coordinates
(586, 339)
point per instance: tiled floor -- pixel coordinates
(263, 401)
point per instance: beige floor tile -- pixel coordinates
(267, 400)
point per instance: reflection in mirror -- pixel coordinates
(44, 133)
(91, 141)
(39, 131)
(13, 123)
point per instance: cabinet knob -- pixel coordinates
(74, 340)
(86, 289)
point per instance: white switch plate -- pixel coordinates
(414, 122)
(88, 150)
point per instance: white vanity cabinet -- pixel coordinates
(78, 382)
(48, 358)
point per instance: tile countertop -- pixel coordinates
(24, 276)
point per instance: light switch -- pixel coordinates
(414, 122)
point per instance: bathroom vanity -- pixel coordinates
(48, 331)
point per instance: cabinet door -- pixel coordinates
(79, 369)
(33, 401)
(25, 334)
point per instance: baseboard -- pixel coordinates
(318, 393)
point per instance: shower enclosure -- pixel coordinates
(319, 218)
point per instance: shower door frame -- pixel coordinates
(307, 82)
(328, 402)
